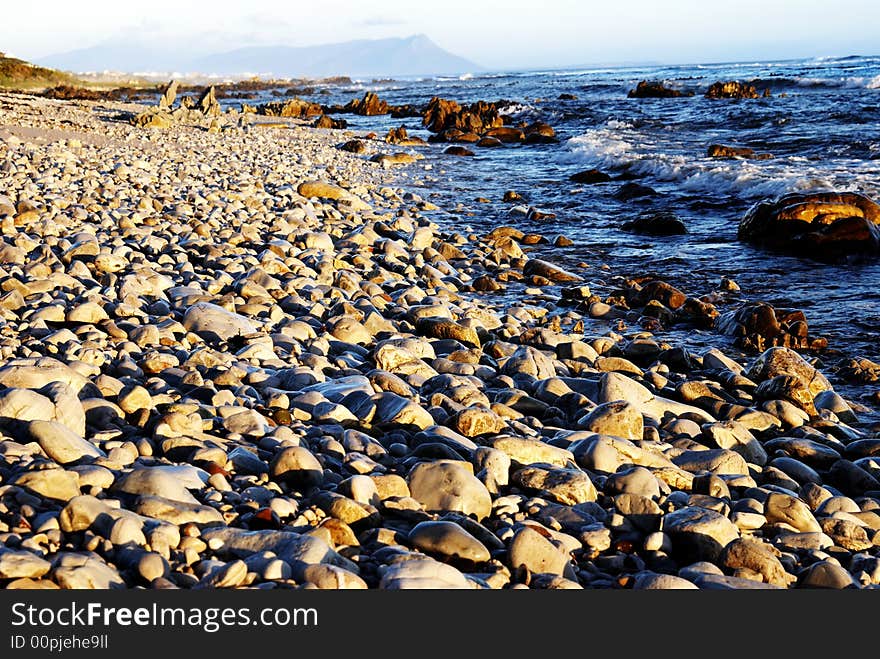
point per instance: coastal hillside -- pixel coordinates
(415, 55)
(18, 74)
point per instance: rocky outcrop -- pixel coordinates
(732, 89)
(758, 326)
(400, 137)
(325, 121)
(294, 108)
(656, 89)
(208, 104)
(824, 225)
(169, 95)
(442, 114)
(368, 106)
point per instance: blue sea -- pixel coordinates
(821, 122)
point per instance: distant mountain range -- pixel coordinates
(410, 56)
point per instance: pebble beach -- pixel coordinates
(236, 355)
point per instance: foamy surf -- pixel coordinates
(616, 148)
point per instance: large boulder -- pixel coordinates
(824, 225)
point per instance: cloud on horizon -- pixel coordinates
(379, 21)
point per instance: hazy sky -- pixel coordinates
(497, 35)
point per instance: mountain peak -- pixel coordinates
(415, 55)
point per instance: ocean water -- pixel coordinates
(821, 123)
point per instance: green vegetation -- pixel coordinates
(18, 74)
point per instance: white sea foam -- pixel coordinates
(852, 82)
(617, 147)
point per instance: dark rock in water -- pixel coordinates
(548, 271)
(506, 134)
(540, 133)
(860, 370)
(656, 89)
(567, 97)
(733, 89)
(656, 224)
(630, 191)
(824, 226)
(758, 326)
(442, 114)
(485, 283)
(325, 121)
(722, 151)
(370, 105)
(536, 215)
(490, 142)
(562, 241)
(661, 291)
(457, 151)
(590, 176)
(354, 146)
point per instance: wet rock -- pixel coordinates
(656, 224)
(757, 326)
(456, 150)
(370, 105)
(590, 176)
(722, 151)
(656, 89)
(732, 89)
(824, 226)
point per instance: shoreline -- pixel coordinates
(238, 356)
